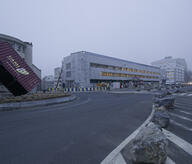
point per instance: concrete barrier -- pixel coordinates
(123, 151)
(87, 89)
(167, 102)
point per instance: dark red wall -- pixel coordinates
(15, 74)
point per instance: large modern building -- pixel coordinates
(174, 69)
(24, 49)
(86, 69)
(47, 82)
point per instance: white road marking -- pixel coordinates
(183, 94)
(117, 150)
(183, 112)
(181, 106)
(186, 146)
(181, 117)
(180, 94)
(181, 125)
(118, 160)
(169, 161)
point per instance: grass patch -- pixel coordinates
(33, 97)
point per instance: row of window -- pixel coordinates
(127, 75)
(95, 65)
(68, 74)
(68, 66)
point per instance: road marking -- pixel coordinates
(184, 103)
(182, 117)
(181, 107)
(117, 150)
(182, 94)
(183, 111)
(118, 160)
(169, 161)
(186, 146)
(181, 125)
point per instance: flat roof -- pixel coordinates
(11, 38)
(98, 55)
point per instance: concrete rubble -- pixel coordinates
(149, 146)
(161, 118)
(167, 102)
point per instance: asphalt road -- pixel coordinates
(84, 131)
(181, 118)
(181, 126)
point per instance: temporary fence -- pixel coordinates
(94, 89)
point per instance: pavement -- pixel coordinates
(180, 130)
(89, 129)
(83, 131)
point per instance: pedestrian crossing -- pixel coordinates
(180, 128)
(178, 133)
(183, 113)
(182, 94)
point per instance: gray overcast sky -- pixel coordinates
(135, 30)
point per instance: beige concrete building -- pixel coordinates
(174, 68)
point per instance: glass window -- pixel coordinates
(68, 66)
(68, 73)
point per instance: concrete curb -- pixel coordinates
(115, 157)
(112, 157)
(17, 105)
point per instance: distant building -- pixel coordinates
(86, 69)
(47, 82)
(57, 78)
(174, 69)
(24, 49)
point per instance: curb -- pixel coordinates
(116, 157)
(17, 105)
(112, 157)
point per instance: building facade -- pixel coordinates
(47, 82)
(174, 68)
(24, 49)
(85, 69)
(57, 78)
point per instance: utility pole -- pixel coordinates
(59, 78)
